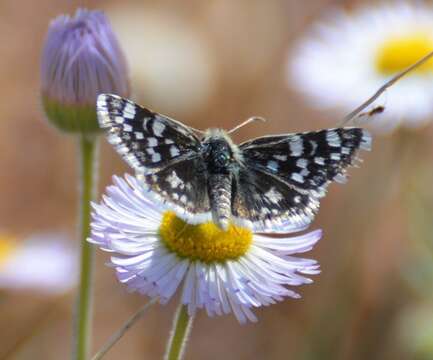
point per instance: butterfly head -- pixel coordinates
(219, 151)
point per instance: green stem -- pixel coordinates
(83, 321)
(179, 334)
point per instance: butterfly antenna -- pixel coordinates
(349, 117)
(246, 122)
(196, 130)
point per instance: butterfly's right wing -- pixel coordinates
(146, 140)
(163, 152)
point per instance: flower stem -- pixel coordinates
(126, 326)
(179, 334)
(83, 320)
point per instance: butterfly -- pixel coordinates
(272, 182)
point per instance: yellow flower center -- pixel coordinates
(7, 247)
(398, 53)
(205, 242)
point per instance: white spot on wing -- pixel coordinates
(174, 151)
(341, 178)
(280, 157)
(365, 141)
(102, 101)
(319, 160)
(114, 140)
(152, 142)
(296, 147)
(333, 138)
(174, 180)
(158, 128)
(274, 196)
(156, 157)
(305, 172)
(302, 163)
(273, 165)
(345, 150)
(297, 177)
(129, 111)
(265, 211)
(335, 156)
(139, 135)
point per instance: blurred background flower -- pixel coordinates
(348, 55)
(37, 274)
(174, 67)
(352, 309)
(45, 263)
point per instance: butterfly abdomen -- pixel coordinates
(220, 192)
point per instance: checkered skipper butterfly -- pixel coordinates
(268, 183)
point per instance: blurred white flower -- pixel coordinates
(346, 58)
(44, 263)
(173, 68)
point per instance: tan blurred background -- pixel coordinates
(215, 63)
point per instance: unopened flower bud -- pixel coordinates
(81, 59)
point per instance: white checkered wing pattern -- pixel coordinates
(148, 141)
(163, 152)
(284, 176)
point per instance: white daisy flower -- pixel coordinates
(44, 263)
(220, 271)
(345, 59)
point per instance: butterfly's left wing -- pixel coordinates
(163, 152)
(284, 176)
(265, 202)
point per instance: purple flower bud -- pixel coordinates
(81, 59)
